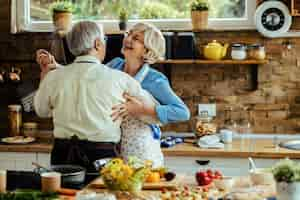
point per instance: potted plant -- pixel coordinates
(123, 18)
(287, 176)
(199, 14)
(61, 12)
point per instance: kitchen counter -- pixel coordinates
(40, 146)
(258, 148)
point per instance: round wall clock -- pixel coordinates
(272, 18)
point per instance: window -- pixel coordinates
(166, 14)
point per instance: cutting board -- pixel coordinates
(98, 184)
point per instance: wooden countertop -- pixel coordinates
(260, 148)
(40, 146)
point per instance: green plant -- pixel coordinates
(123, 14)
(62, 6)
(286, 171)
(199, 5)
(156, 10)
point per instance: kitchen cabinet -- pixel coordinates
(22, 161)
(228, 166)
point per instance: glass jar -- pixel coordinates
(14, 120)
(238, 52)
(256, 51)
(30, 129)
(204, 125)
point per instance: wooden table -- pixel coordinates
(242, 182)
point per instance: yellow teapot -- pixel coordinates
(215, 50)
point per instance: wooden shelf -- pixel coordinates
(223, 62)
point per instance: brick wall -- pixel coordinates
(274, 105)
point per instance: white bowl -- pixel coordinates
(226, 183)
(262, 176)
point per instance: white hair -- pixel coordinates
(154, 42)
(81, 38)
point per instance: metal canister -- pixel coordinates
(14, 120)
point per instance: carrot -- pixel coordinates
(67, 191)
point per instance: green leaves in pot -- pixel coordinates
(199, 5)
(62, 6)
(286, 171)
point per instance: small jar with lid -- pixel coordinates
(256, 51)
(204, 125)
(14, 120)
(238, 52)
(30, 129)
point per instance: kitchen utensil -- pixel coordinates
(238, 52)
(215, 50)
(203, 162)
(40, 166)
(2, 181)
(98, 164)
(70, 174)
(226, 136)
(252, 164)
(173, 184)
(18, 140)
(292, 144)
(261, 176)
(14, 119)
(51, 181)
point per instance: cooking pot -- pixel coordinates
(70, 174)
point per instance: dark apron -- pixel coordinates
(81, 152)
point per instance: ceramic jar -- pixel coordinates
(238, 52)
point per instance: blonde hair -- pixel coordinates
(154, 42)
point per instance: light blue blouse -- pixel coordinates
(171, 108)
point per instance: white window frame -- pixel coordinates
(20, 21)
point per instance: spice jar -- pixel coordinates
(238, 52)
(256, 51)
(204, 125)
(14, 120)
(30, 129)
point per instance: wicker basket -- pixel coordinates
(199, 19)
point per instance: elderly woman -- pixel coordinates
(143, 45)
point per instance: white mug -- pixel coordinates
(226, 135)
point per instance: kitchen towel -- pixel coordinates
(210, 141)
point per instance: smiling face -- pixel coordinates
(133, 45)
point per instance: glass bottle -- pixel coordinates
(229, 123)
(245, 127)
(14, 120)
(205, 125)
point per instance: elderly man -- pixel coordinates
(80, 96)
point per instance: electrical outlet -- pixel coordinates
(210, 108)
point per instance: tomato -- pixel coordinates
(201, 174)
(218, 173)
(209, 173)
(207, 180)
